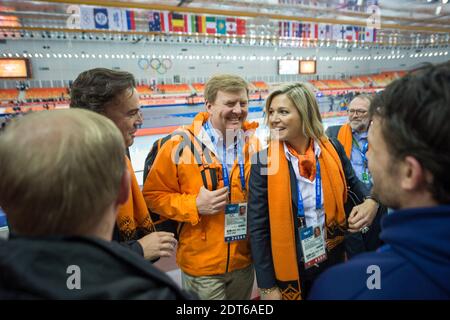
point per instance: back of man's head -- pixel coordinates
(414, 113)
(60, 171)
(98, 88)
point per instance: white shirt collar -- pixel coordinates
(205, 138)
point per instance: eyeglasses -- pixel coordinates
(357, 112)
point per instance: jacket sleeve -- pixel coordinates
(259, 227)
(162, 191)
(352, 180)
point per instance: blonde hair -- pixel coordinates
(303, 97)
(226, 83)
(60, 170)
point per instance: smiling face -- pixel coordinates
(229, 110)
(358, 114)
(125, 113)
(284, 120)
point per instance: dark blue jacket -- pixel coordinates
(414, 264)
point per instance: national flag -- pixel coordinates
(287, 29)
(191, 23)
(281, 29)
(307, 29)
(177, 21)
(329, 32)
(297, 30)
(315, 31)
(241, 26)
(322, 31)
(201, 24)
(338, 32)
(349, 34)
(87, 18)
(154, 21)
(371, 34)
(355, 33)
(101, 18)
(115, 19)
(211, 25)
(166, 24)
(221, 27)
(361, 34)
(231, 25)
(130, 22)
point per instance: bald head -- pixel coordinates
(60, 171)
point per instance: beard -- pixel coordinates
(359, 126)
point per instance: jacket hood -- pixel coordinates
(422, 236)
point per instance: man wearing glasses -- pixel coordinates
(353, 136)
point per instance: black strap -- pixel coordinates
(199, 159)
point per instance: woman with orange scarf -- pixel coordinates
(297, 185)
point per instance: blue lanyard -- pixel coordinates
(226, 179)
(300, 206)
(362, 151)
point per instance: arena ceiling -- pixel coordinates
(406, 20)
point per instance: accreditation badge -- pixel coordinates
(313, 245)
(235, 221)
(365, 177)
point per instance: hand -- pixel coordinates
(158, 244)
(275, 294)
(211, 202)
(362, 215)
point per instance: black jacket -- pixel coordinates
(258, 215)
(39, 268)
(372, 239)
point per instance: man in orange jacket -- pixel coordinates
(113, 94)
(202, 184)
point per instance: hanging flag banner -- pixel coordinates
(177, 22)
(115, 19)
(231, 26)
(130, 20)
(87, 17)
(154, 21)
(101, 18)
(221, 26)
(241, 26)
(211, 25)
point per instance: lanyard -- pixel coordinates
(226, 179)
(300, 206)
(362, 151)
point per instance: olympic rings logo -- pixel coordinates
(159, 65)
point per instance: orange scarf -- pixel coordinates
(306, 162)
(281, 218)
(133, 217)
(345, 137)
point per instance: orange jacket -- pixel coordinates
(171, 190)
